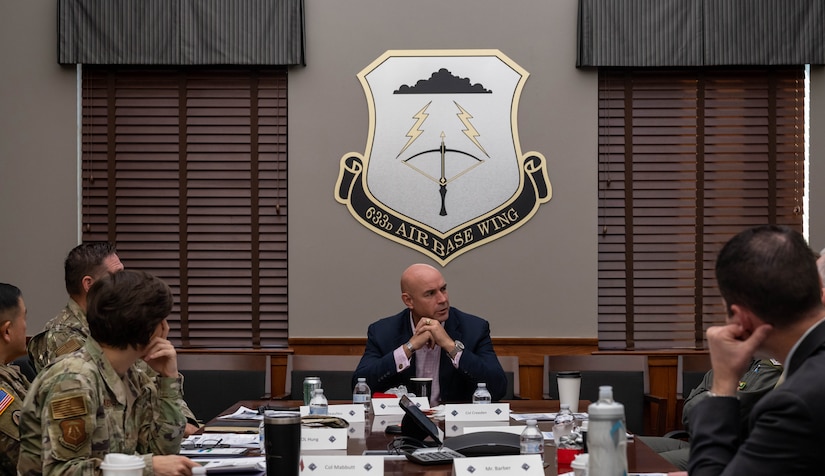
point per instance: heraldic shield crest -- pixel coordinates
(443, 172)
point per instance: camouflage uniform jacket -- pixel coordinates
(13, 388)
(760, 379)
(66, 333)
(79, 409)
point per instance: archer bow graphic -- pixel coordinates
(470, 131)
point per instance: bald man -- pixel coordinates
(431, 339)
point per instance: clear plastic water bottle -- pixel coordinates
(482, 395)
(532, 441)
(319, 405)
(361, 393)
(606, 436)
(563, 424)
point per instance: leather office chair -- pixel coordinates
(691, 369)
(25, 364)
(628, 376)
(214, 382)
(335, 372)
(511, 369)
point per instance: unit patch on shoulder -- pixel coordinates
(73, 433)
(68, 407)
(5, 399)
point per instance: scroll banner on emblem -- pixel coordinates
(443, 172)
(439, 247)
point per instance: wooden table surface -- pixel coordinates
(640, 457)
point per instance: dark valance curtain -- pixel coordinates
(658, 33)
(181, 32)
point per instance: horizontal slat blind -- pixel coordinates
(185, 170)
(687, 159)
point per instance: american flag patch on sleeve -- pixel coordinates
(5, 400)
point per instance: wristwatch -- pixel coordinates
(458, 348)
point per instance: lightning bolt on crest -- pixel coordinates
(470, 130)
(415, 130)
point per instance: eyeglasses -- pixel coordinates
(204, 443)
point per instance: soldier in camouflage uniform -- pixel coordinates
(762, 376)
(95, 401)
(69, 330)
(13, 384)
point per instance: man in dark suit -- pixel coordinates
(431, 339)
(768, 279)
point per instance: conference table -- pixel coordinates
(640, 457)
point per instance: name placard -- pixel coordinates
(471, 412)
(455, 428)
(350, 413)
(357, 430)
(389, 406)
(523, 465)
(322, 465)
(323, 439)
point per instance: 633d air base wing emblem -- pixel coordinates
(443, 172)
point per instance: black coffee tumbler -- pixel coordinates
(282, 443)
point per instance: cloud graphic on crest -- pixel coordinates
(443, 82)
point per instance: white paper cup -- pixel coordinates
(119, 464)
(569, 386)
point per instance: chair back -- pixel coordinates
(691, 369)
(335, 372)
(26, 367)
(511, 369)
(214, 382)
(627, 374)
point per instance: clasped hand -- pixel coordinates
(430, 332)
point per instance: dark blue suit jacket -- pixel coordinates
(478, 361)
(787, 426)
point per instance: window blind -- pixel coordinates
(185, 170)
(687, 158)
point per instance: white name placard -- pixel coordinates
(523, 465)
(322, 465)
(471, 412)
(455, 428)
(357, 430)
(389, 406)
(350, 413)
(323, 439)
